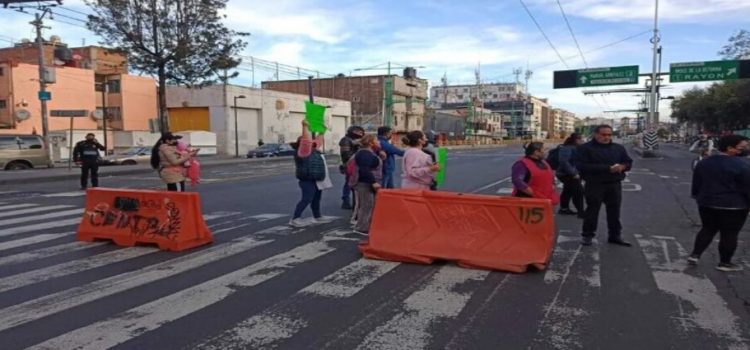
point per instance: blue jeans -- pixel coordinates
(310, 196)
(387, 181)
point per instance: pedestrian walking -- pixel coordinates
(570, 177)
(721, 187)
(312, 173)
(170, 162)
(532, 176)
(348, 145)
(86, 154)
(369, 174)
(419, 169)
(391, 151)
(602, 165)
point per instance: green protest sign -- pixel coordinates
(442, 160)
(315, 116)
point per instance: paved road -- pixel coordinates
(265, 285)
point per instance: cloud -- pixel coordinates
(690, 11)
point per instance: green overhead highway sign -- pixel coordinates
(622, 75)
(709, 70)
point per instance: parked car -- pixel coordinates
(21, 152)
(271, 150)
(133, 156)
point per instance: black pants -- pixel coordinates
(572, 190)
(611, 195)
(177, 187)
(728, 222)
(87, 167)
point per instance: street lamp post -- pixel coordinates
(236, 130)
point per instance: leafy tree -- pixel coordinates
(738, 46)
(180, 42)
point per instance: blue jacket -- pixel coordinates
(722, 182)
(565, 161)
(389, 165)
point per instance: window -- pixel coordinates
(3, 104)
(20, 142)
(2, 71)
(494, 95)
(114, 86)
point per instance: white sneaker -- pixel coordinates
(298, 222)
(322, 220)
(729, 267)
(362, 233)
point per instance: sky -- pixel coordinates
(455, 38)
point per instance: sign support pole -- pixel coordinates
(652, 120)
(70, 149)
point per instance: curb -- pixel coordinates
(74, 174)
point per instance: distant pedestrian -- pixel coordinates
(170, 162)
(312, 173)
(532, 176)
(348, 145)
(369, 173)
(570, 177)
(391, 151)
(419, 168)
(602, 165)
(86, 154)
(721, 187)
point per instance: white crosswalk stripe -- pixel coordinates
(407, 321)
(32, 210)
(53, 215)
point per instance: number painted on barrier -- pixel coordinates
(531, 215)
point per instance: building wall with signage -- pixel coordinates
(271, 116)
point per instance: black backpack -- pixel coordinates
(553, 158)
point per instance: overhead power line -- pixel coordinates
(570, 29)
(74, 11)
(544, 34)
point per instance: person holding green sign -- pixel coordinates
(419, 168)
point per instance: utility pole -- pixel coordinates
(517, 72)
(43, 97)
(105, 92)
(653, 112)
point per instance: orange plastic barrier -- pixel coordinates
(488, 232)
(171, 220)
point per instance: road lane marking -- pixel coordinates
(50, 304)
(440, 298)
(17, 206)
(39, 227)
(709, 311)
(33, 210)
(83, 264)
(491, 185)
(71, 212)
(136, 321)
(283, 321)
(31, 240)
(65, 194)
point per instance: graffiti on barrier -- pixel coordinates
(124, 214)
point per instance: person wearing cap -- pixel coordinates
(169, 161)
(86, 154)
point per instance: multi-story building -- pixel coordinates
(370, 97)
(75, 78)
(456, 94)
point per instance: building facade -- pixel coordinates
(369, 97)
(267, 115)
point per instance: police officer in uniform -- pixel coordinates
(86, 154)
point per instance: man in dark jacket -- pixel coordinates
(721, 186)
(86, 154)
(348, 146)
(602, 165)
(391, 151)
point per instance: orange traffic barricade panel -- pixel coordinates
(479, 231)
(171, 220)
